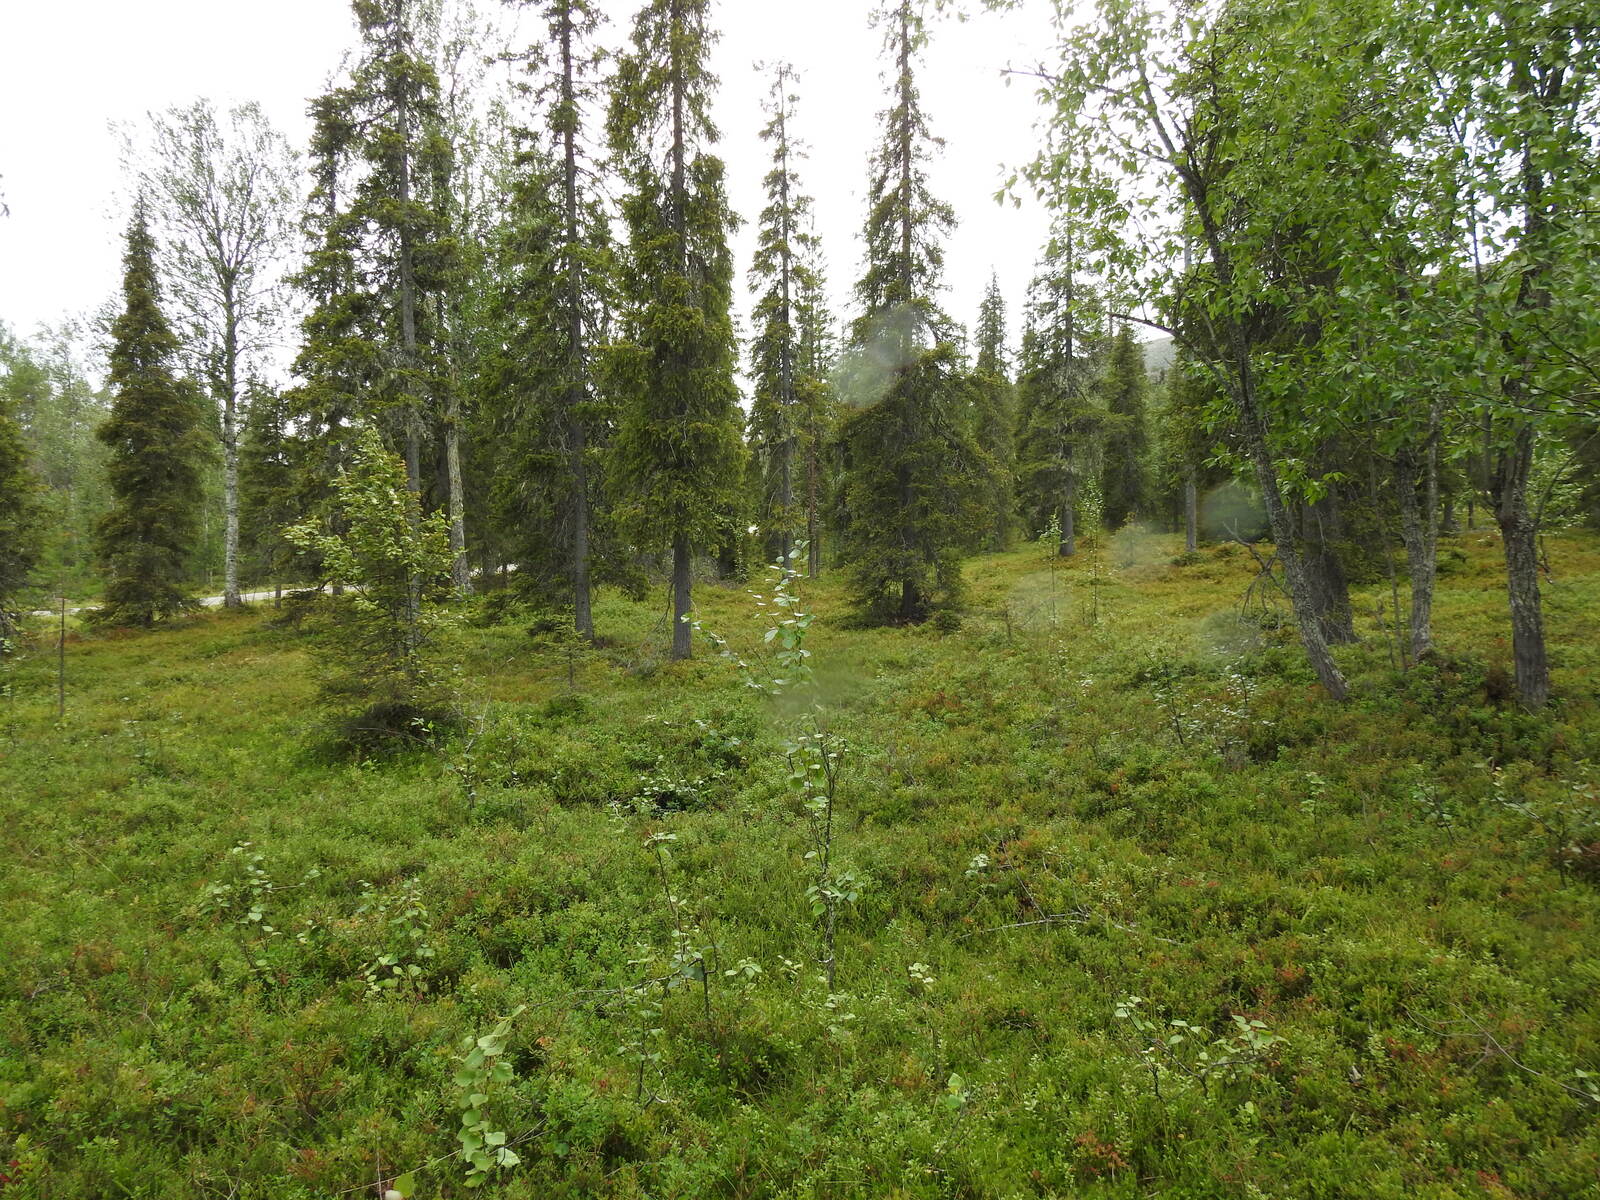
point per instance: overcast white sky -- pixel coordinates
(74, 68)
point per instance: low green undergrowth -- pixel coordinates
(1109, 902)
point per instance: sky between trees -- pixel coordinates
(78, 68)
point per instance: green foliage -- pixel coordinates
(157, 449)
(912, 485)
(551, 289)
(786, 377)
(383, 257)
(269, 498)
(393, 563)
(21, 531)
(994, 417)
(1032, 843)
(678, 448)
(912, 491)
(59, 411)
(1123, 485)
(1058, 422)
(483, 1070)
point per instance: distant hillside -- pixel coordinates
(1158, 355)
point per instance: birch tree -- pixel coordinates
(220, 191)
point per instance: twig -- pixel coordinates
(1492, 1043)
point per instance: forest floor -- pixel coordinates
(1137, 911)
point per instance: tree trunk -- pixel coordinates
(460, 574)
(1301, 596)
(230, 456)
(582, 604)
(1419, 532)
(1235, 350)
(813, 543)
(1520, 534)
(1318, 531)
(1069, 520)
(411, 412)
(786, 367)
(577, 432)
(682, 598)
(1191, 512)
(911, 607)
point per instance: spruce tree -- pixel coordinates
(21, 532)
(269, 455)
(340, 354)
(995, 417)
(157, 446)
(781, 274)
(816, 398)
(1185, 444)
(397, 135)
(912, 468)
(1058, 422)
(678, 448)
(552, 266)
(1123, 486)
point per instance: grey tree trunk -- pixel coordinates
(682, 558)
(577, 432)
(1318, 531)
(1418, 491)
(786, 351)
(1301, 596)
(1253, 428)
(1069, 520)
(1191, 512)
(460, 574)
(682, 598)
(1519, 532)
(813, 534)
(230, 454)
(411, 414)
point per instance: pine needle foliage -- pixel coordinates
(679, 450)
(155, 434)
(551, 295)
(21, 517)
(1058, 422)
(782, 274)
(913, 472)
(1124, 479)
(995, 418)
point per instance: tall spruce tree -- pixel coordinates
(995, 417)
(1058, 423)
(338, 354)
(781, 274)
(679, 447)
(396, 131)
(21, 532)
(1123, 472)
(157, 454)
(817, 400)
(553, 267)
(912, 468)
